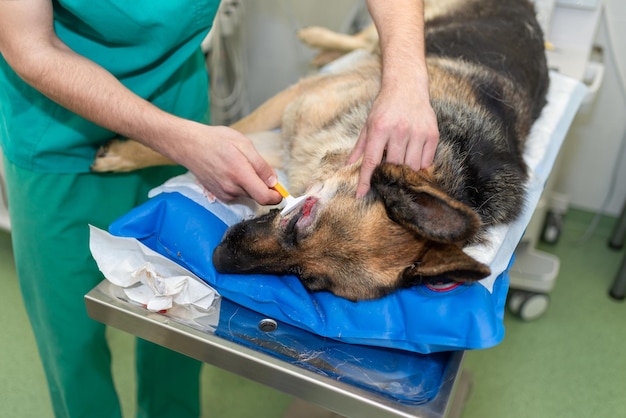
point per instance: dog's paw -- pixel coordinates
(108, 158)
(317, 37)
(123, 155)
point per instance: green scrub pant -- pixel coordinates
(50, 214)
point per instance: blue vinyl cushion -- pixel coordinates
(417, 319)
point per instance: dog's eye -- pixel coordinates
(291, 232)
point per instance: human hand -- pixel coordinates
(227, 164)
(402, 128)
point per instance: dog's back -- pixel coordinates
(502, 35)
(488, 82)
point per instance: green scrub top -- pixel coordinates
(151, 46)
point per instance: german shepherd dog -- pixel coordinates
(488, 80)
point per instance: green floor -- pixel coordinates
(569, 363)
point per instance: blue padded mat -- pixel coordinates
(418, 319)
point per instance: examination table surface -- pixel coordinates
(245, 343)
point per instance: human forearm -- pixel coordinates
(223, 160)
(90, 91)
(401, 125)
(400, 26)
(30, 46)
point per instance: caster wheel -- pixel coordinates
(552, 228)
(528, 305)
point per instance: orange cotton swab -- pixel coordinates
(291, 202)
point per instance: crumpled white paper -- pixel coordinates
(147, 277)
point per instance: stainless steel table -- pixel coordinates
(287, 368)
(291, 368)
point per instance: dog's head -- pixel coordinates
(405, 231)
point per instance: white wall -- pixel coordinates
(591, 154)
(276, 58)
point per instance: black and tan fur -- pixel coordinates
(488, 81)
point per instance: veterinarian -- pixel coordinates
(76, 73)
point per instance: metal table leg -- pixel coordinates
(618, 288)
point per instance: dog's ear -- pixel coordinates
(417, 205)
(445, 260)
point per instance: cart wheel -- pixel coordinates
(528, 305)
(552, 228)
